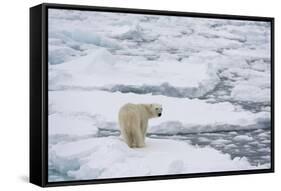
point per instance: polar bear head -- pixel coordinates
(156, 110)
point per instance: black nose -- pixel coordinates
(159, 114)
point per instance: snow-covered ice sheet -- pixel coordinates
(67, 127)
(179, 115)
(100, 68)
(194, 56)
(110, 157)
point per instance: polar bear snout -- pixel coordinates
(158, 109)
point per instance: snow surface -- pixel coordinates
(210, 75)
(243, 138)
(179, 115)
(90, 159)
(175, 56)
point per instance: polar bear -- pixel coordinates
(133, 122)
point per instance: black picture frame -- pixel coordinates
(39, 93)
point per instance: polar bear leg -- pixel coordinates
(128, 138)
(130, 129)
(144, 125)
(138, 138)
(125, 133)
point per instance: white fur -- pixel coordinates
(133, 121)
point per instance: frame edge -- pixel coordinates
(35, 98)
(41, 50)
